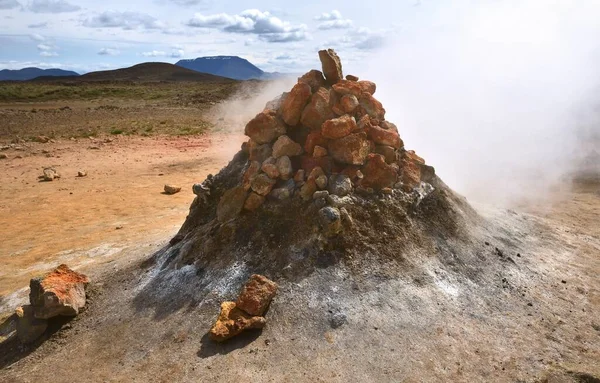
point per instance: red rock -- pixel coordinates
(265, 127)
(285, 146)
(231, 203)
(259, 152)
(262, 184)
(350, 77)
(60, 292)
(378, 174)
(338, 110)
(368, 86)
(364, 122)
(372, 106)
(332, 66)
(256, 295)
(317, 111)
(314, 79)
(253, 169)
(389, 153)
(352, 149)
(349, 103)
(388, 126)
(348, 87)
(412, 156)
(254, 201)
(270, 170)
(294, 103)
(352, 172)
(410, 174)
(384, 137)
(232, 321)
(308, 163)
(319, 151)
(338, 127)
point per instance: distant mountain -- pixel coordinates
(227, 66)
(31, 73)
(145, 72)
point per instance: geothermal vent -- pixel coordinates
(324, 178)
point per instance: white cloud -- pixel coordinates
(153, 54)
(45, 47)
(175, 53)
(189, 3)
(48, 54)
(9, 4)
(125, 20)
(268, 27)
(37, 37)
(363, 39)
(108, 52)
(47, 50)
(38, 25)
(328, 16)
(52, 6)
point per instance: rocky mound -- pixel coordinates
(323, 178)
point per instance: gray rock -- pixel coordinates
(321, 194)
(340, 185)
(320, 202)
(284, 165)
(330, 221)
(337, 319)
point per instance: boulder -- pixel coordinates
(314, 139)
(317, 111)
(351, 77)
(172, 189)
(231, 203)
(346, 87)
(338, 127)
(254, 201)
(389, 153)
(372, 106)
(250, 173)
(232, 321)
(60, 292)
(319, 151)
(284, 166)
(352, 149)
(412, 156)
(285, 146)
(29, 328)
(349, 103)
(332, 66)
(258, 152)
(340, 185)
(262, 184)
(256, 295)
(265, 127)
(368, 86)
(294, 103)
(330, 221)
(385, 137)
(378, 174)
(388, 126)
(314, 79)
(270, 169)
(410, 173)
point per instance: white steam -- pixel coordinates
(495, 94)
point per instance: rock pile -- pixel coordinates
(247, 312)
(59, 293)
(327, 136)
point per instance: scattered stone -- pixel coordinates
(284, 166)
(387, 190)
(29, 328)
(231, 203)
(254, 201)
(256, 295)
(171, 189)
(232, 321)
(384, 137)
(94, 147)
(319, 151)
(275, 104)
(42, 139)
(340, 185)
(345, 87)
(320, 203)
(352, 149)
(338, 127)
(49, 174)
(332, 66)
(368, 86)
(60, 292)
(262, 184)
(265, 127)
(389, 153)
(285, 146)
(294, 103)
(330, 221)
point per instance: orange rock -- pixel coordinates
(314, 139)
(411, 155)
(232, 321)
(378, 174)
(317, 111)
(270, 170)
(294, 103)
(332, 66)
(384, 137)
(262, 184)
(254, 201)
(368, 86)
(60, 292)
(265, 127)
(319, 151)
(256, 295)
(410, 174)
(349, 103)
(348, 87)
(249, 174)
(285, 146)
(372, 106)
(350, 77)
(388, 125)
(338, 127)
(352, 149)
(314, 79)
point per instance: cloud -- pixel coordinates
(363, 39)
(333, 15)
(154, 54)
(333, 20)
(189, 3)
(124, 20)
(9, 4)
(45, 47)
(253, 21)
(38, 25)
(47, 50)
(48, 54)
(175, 53)
(52, 6)
(108, 52)
(37, 37)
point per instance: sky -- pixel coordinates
(88, 35)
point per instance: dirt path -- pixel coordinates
(75, 219)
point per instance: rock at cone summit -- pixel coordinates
(232, 321)
(332, 66)
(317, 111)
(314, 79)
(256, 295)
(60, 292)
(294, 103)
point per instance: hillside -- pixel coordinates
(31, 73)
(227, 66)
(152, 71)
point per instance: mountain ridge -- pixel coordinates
(30, 73)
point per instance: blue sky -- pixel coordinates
(85, 35)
